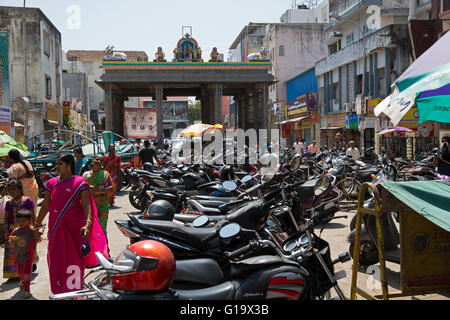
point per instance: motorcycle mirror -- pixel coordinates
(229, 185)
(296, 162)
(230, 230)
(246, 179)
(49, 165)
(200, 222)
(322, 185)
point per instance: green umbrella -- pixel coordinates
(7, 143)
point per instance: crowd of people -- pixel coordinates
(77, 203)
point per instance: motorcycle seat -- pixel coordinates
(306, 190)
(224, 291)
(189, 271)
(207, 185)
(189, 218)
(211, 203)
(196, 237)
(210, 198)
(253, 263)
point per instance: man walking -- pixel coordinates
(313, 147)
(353, 151)
(147, 154)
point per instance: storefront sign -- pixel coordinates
(66, 108)
(371, 104)
(52, 113)
(336, 120)
(312, 100)
(77, 104)
(410, 119)
(359, 105)
(314, 116)
(6, 127)
(4, 69)
(352, 121)
(5, 114)
(140, 123)
(306, 125)
(297, 107)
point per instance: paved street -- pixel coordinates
(335, 233)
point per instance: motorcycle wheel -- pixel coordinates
(134, 200)
(368, 255)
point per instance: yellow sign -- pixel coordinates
(52, 112)
(336, 120)
(298, 111)
(371, 104)
(306, 125)
(410, 119)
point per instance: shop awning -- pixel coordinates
(292, 120)
(428, 198)
(332, 128)
(51, 123)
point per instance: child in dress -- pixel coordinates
(24, 240)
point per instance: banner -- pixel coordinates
(140, 123)
(352, 121)
(4, 70)
(66, 108)
(371, 104)
(77, 105)
(5, 114)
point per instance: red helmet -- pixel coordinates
(153, 267)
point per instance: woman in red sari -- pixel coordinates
(72, 228)
(113, 164)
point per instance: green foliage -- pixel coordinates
(68, 122)
(195, 112)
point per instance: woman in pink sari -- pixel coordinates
(72, 228)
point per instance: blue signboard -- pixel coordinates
(4, 70)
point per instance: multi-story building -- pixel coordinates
(90, 62)
(368, 49)
(30, 54)
(294, 48)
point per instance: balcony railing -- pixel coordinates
(382, 38)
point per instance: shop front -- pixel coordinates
(333, 130)
(301, 116)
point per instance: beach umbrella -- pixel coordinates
(7, 143)
(424, 83)
(195, 130)
(390, 130)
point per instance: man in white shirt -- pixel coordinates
(298, 146)
(353, 151)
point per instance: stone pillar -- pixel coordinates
(204, 109)
(107, 109)
(210, 114)
(218, 103)
(159, 93)
(256, 108)
(246, 105)
(117, 115)
(387, 70)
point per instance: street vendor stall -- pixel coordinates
(424, 216)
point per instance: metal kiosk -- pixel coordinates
(424, 210)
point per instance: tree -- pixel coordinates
(194, 112)
(68, 122)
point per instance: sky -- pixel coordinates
(147, 24)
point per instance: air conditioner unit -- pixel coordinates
(353, 107)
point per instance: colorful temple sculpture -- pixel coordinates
(187, 50)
